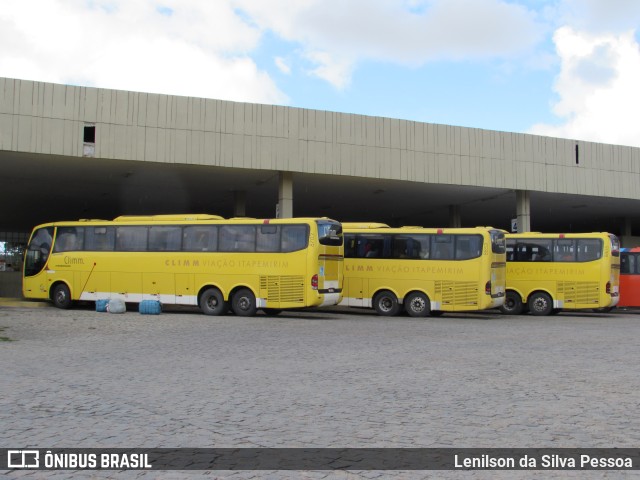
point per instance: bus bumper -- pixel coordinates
(331, 299)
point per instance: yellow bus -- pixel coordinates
(423, 270)
(201, 260)
(549, 272)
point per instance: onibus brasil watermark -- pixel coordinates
(320, 459)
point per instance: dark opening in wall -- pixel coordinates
(577, 156)
(90, 134)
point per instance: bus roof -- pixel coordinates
(169, 218)
(363, 225)
(352, 226)
(557, 235)
(181, 218)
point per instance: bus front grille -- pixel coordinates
(457, 293)
(283, 288)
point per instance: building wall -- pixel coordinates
(49, 119)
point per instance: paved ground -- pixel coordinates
(79, 378)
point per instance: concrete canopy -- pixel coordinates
(42, 188)
(69, 152)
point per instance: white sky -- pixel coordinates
(566, 68)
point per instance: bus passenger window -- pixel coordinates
(589, 249)
(368, 246)
(200, 238)
(131, 239)
(349, 246)
(268, 238)
(165, 238)
(238, 238)
(443, 247)
(294, 237)
(564, 250)
(629, 264)
(99, 239)
(69, 239)
(468, 246)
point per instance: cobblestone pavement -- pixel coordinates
(79, 378)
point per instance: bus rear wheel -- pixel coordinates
(244, 303)
(386, 304)
(540, 304)
(512, 304)
(417, 304)
(61, 296)
(212, 302)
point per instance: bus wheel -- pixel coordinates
(244, 303)
(386, 304)
(212, 302)
(61, 296)
(540, 303)
(417, 304)
(436, 313)
(512, 304)
(272, 312)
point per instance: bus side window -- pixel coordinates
(468, 246)
(200, 238)
(443, 247)
(99, 239)
(131, 238)
(422, 246)
(349, 246)
(294, 237)
(564, 250)
(268, 238)
(629, 264)
(165, 238)
(511, 251)
(589, 249)
(238, 238)
(69, 239)
(625, 263)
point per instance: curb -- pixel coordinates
(19, 302)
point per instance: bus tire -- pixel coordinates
(436, 313)
(272, 312)
(540, 304)
(212, 302)
(61, 296)
(512, 304)
(244, 303)
(386, 304)
(417, 304)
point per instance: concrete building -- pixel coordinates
(69, 152)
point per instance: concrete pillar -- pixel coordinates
(239, 203)
(455, 219)
(523, 211)
(285, 195)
